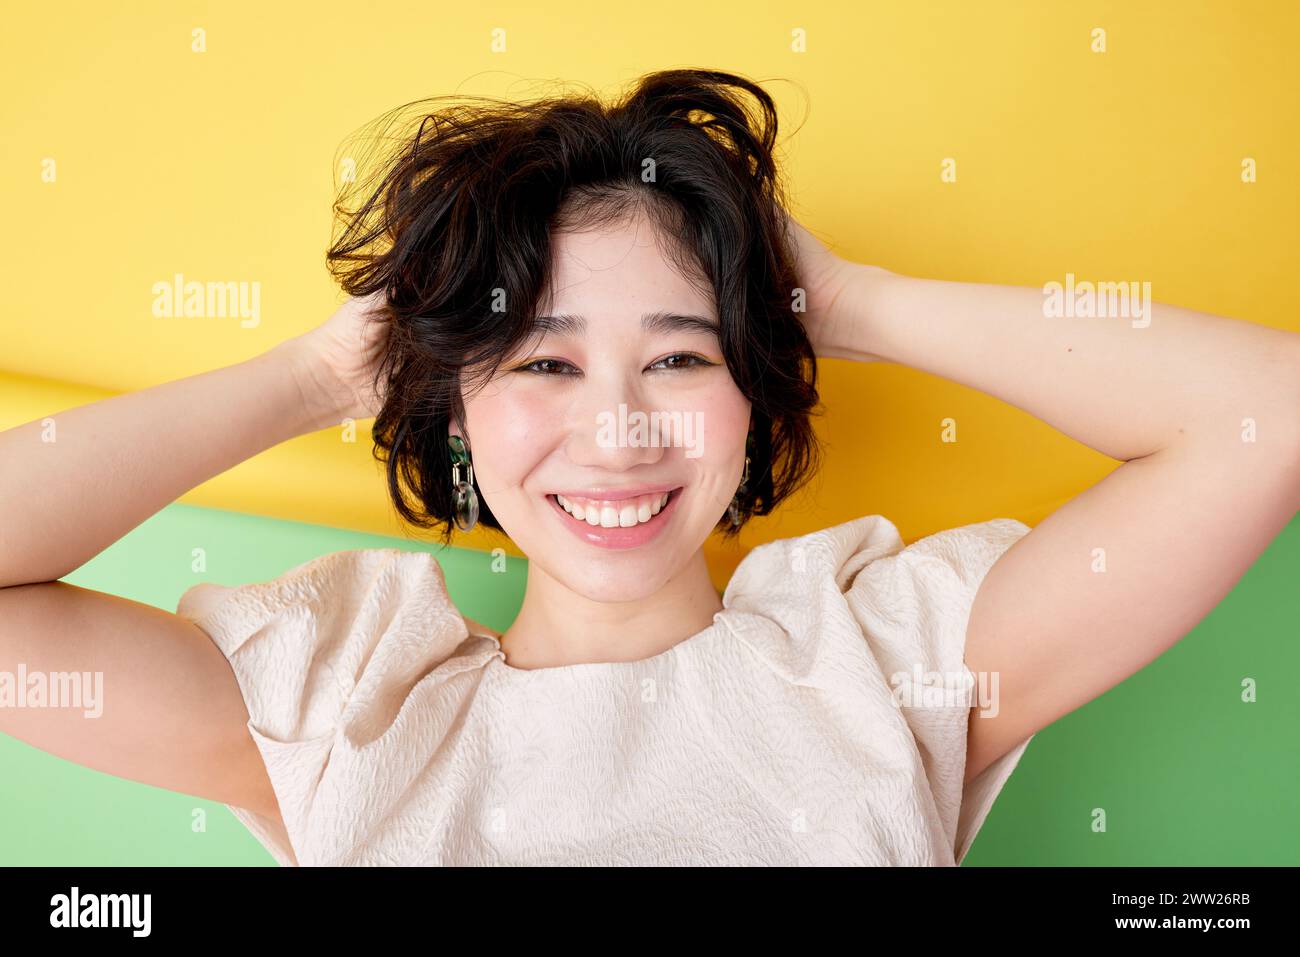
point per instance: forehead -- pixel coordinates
(620, 271)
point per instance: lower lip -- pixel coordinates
(618, 538)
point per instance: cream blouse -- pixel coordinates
(781, 734)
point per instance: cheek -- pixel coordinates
(724, 413)
(502, 428)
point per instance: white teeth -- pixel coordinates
(625, 514)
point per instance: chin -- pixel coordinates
(624, 579)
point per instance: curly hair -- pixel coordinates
(458, 222)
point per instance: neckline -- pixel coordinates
(498, 661)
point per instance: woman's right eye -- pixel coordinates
(533, 367)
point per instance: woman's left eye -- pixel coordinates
(556, 367)
(695, 361)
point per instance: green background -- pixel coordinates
(1186, 772)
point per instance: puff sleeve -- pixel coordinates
(326, 655)
(913, 604)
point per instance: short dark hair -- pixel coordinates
(462, 213)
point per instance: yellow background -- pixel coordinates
(1123, 165)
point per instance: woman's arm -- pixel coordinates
(1125, 390)
(160, 703)
(1204, 413)
(74, 482)
(164, 706)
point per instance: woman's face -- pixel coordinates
(614, 403)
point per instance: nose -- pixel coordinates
(617, 427)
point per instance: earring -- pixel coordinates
(734, 510)
(464, 498)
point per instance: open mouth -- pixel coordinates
(616, 524)
(644, 510)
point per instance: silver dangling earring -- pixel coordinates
(464, 498)
(734, 509)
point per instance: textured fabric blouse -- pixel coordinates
(795, 729)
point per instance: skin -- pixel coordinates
(531, 433)
(1184, 515)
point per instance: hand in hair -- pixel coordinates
(823, 276)
(340, 357)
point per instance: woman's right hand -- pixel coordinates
(337, 360)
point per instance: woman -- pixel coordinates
(523, 275)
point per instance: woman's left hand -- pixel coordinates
(827, 281)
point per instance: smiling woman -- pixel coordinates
(521, 273)
(483, 229)
(525, 275)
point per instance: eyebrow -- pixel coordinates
(660, 323)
